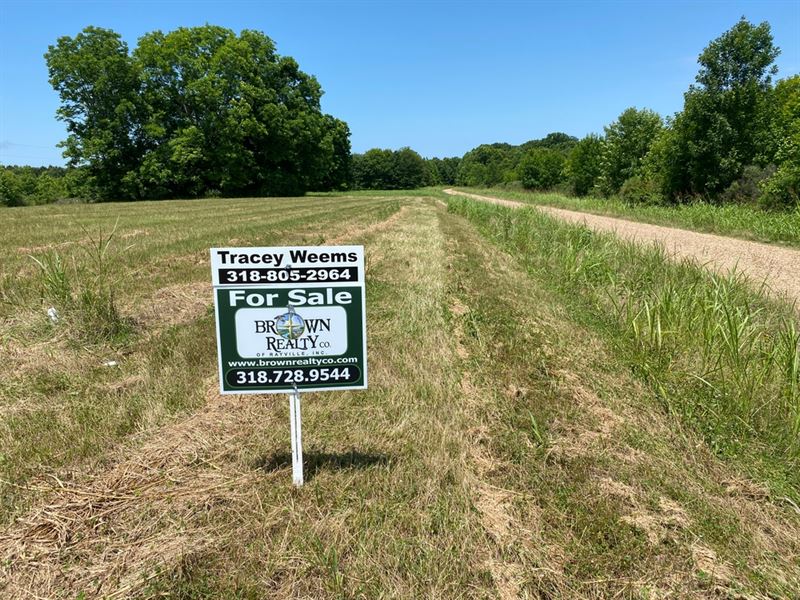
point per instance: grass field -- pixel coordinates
(551, 414)
(730, 220)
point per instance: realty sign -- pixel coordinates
(290, 318)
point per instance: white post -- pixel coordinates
(297, 437)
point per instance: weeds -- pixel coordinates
(55, 281)
(83, 292)
(715, 351)
(536, 429)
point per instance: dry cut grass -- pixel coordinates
(503, 450)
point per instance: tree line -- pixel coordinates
(201, 112)
(381, 169)
(26, 186)
(737, 139)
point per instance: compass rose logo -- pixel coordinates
(290, 325)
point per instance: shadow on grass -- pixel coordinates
(314, 461)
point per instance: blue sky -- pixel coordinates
(441, 77)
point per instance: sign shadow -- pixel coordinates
(315, 461)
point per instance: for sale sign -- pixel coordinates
(290, 318)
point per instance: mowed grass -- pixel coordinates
(510, 444)
(730, 220)
(160, 243)
(386, 511)
(604, 493)
(714, 350)
(504, 450)
(150, 293)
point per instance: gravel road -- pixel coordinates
(775, 266)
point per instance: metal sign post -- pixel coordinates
(296, 425)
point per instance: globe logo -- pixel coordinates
(290, 325)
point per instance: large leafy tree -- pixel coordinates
(99, 84)
(372, 170)
(726, 121)
(585, 164)
(194, 111)
(409, 170)
(334, 172)
(627, 142)
(379, 169)
(541, 168)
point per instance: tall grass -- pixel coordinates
(732, 219)
(83, 292)
(717, 352)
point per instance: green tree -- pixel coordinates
(335, 170)
(194, 111)
(742, 56)
(10, 192)
(99, 86)
(627, 142)
(433, 166)
(448, 170)
(372, 170)
(379, 169)
(585, 164)
(488, 165)
(541, 168)
(726, 121)
(555, 141)
(444, 171)
(27, 186)
(782, 190)
(408, 170)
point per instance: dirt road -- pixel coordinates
(777, 267)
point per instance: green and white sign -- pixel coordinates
(290, 319)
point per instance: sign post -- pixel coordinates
(290, 320)
(296, 426)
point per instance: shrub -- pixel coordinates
(782, 190)
(638, 190)
(584, 165)
(746, 189)
(541, 168)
